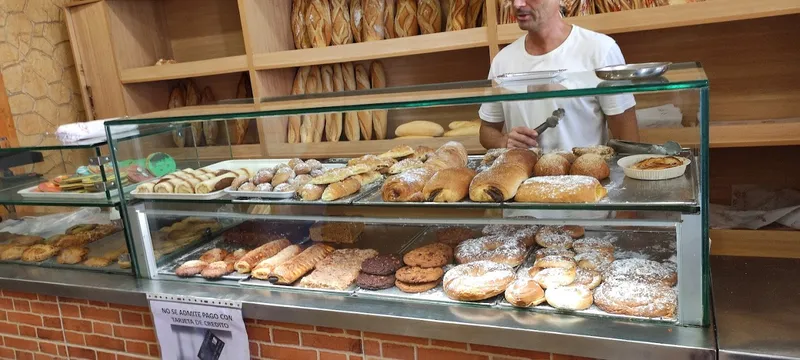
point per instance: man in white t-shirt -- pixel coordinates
(552, 44)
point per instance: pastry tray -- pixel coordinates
(374, 236)
(347, 200)
(96, 249)
(194, 254)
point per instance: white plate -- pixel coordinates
(663, 174)
(260, 194)
(31, 192)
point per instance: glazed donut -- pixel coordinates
(593, 244)
(588, 278)
(191, 268)
(555, 261)
(573, 297)
(554, 251)
(636, 299)
(477, 280)
(497, 248)
(524, 292)
(549, 236)
(594, 260)
(552, 277)
(575, 231)
(640, 270)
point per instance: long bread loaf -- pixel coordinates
(405, 22)
(298, 88)
(364, 116)
(318, 23)
(377, 77)
(298, 23)
(372, 26)
(457, 17)
(429, 16)
(341, 32)
(352, 130)
(501, 181)
(253, 257)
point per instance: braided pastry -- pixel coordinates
(405, 22)
(388, 19)
(318, 23)
(474, 11)
(429, 16)
(299, 24)
(372, 28)
(356, 18)
(340, 17)
(457, 18)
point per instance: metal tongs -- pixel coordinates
(629, 147)
(550, 122)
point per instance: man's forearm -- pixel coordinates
(491, 137)
(624, 126)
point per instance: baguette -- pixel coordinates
(253, 257)
(419, 127)
(318, 23)
(264, 268)
(474, 11)
(463, 131)
(364, 117)
(193, 99)
(351, 128)
(388, 19)
(309, 122)
(341, 33)
(457, 17)
(294, 268)
(379, 117)
(210, 128)
(356, 19)
(177, 98)
(333, 121)
(341, 189)
(449, 185)
(407, 186)
(405, 22)
(298, 88)
(429, 16)
(237, 129)
(462, 124)
(501, 180)
(561, 189)
(372, 26)
(299, 24)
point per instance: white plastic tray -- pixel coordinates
(260, 194)
(32, 193)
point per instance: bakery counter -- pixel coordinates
(755, 301)
(548, 332)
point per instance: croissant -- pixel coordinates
(318, 23)
(299, 24)
(340, 18)
(407, 186)
(341, 189)
(457, 18)
(501, 181)
(294, 268)
(429, 16)
(448, 185)
(405, 22)
(372, 26)
(249, 260)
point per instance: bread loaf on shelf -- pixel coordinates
(210, 128)
(333, 129)
(388, 19)
(333, 120)
(356, 19)
(318, 23)
(237, 129)
(351, 128)
(298, 21)
(405, 22)
(474, 12)
(341, 189)
(364, 117)
(457, 17)
(501, 181)
(419, 128)
(193, 99)
(341, 32)
(177, 98)
(298, 88)
(377, 77)
(372, 26)
(429, 16)
(309, 122)
(407, 186)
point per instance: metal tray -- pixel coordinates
(97, 248)
(632, 71)
(194, 254)
(528, 76)
(293, 200)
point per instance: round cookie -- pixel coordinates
(382, 265)
(415, 288)
(432, 255)
(374, 282)
(418, 275)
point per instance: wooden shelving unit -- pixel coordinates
(226, 65)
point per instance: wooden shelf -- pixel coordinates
(707, 12)
(759, 243)
(225, 65)
(358, 148)
(412, 45)
(732, 134)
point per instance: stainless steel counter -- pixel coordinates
(756, 307)
(556, 333)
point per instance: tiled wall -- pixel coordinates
(44, 327)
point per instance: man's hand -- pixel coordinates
(522, 137)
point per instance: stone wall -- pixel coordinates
(40, 76)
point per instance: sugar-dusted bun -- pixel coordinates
(496, 248)
(551, 165)
(567, 155)
(641, 270)
(592, 244)
(594, 260)
(548, 236)
(636, 298)
(477, 280)
(574, 297)
(552, 277)
(555, 261)
(576, 231)
(554, 251)
(588, 278)
(560, 189)
(524, 292)
(590, 165)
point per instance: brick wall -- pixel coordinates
(44, 327)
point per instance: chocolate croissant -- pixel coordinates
(407, 186)
(448, 185)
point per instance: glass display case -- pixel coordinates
(62, 206)
(409, 215)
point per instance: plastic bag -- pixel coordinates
(49, 225)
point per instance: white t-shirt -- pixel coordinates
(583, 123)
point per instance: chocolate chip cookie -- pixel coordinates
(429, 256)
(382, 264)
(418, 275)
(374, 282)
(415, 288)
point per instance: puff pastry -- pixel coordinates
(265, 267)
(291, 270)
(72, 255)
(39, 252)
(252, 258)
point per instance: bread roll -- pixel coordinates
(457, 17)
(463, 131)
(405, 22)
(551, 165)
(298, 88)
(341, 32)
(500, 182)
(311, 192)
(419, 127)
(524, 292)
(177, 98)
(429, 16)
(356, 19)
(377, 78)
(590, 165)
(351, 127)
(319, 27)
(388, 19)
(407, 186)
(561, 189)
(372, 27)
(299, 24)
(448, 185)
(364, 117)
(451, 154)
(474, 11)
(341, 189)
